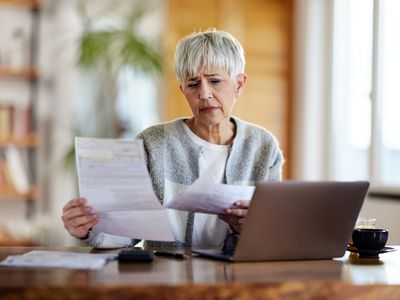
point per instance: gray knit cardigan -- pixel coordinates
(172, 156)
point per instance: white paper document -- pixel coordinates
(113, 177)
(54, 259)
(209, 197)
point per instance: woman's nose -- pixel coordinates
(205, 92)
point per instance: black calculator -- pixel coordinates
(135, 255)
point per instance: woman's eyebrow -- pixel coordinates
(210, 75)
(206, 75)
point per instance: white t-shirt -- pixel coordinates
(208, 229)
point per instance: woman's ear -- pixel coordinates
(240, 83)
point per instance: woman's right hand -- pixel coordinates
(78, 218)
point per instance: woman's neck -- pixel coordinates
(220, 134)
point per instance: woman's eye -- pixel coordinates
(193, 84)
(216, 81)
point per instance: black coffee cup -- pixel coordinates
(370, 239)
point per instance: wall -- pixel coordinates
(386, 212)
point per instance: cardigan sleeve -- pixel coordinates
(107, 241)
(275, 170)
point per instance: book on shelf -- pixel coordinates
(5, 122)
(15, 172)
(5, 180)
(15, 122)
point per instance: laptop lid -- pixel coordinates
(294, 220)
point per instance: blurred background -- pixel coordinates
(321, 77)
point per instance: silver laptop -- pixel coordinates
(295, 220)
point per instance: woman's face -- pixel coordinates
(211, 95)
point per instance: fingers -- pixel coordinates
(79, 227)
(78, 218)
(81, 231)
(75, 212)
(235, 216)
(238, 212)
(232, 220)
(242, 203)
(74, 202)
(239, 208)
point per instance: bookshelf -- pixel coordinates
(30, 140)
(19, 138)
(31, 4)
(27, 73)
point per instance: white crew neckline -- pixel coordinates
(204, 143)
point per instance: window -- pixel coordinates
(365, 91)
(388, 95)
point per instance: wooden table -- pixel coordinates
(348, 277)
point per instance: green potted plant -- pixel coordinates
(103, 53)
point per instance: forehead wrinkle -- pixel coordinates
(194, 78)
(212, 74)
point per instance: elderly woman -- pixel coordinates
(210, 144)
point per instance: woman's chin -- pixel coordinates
(212, 119)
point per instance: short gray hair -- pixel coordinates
(212, 47)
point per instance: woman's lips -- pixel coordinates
(208, 109)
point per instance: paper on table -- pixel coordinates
(209, 197)
(54, 259)
(113, 177)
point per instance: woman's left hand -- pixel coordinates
(236, 214)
